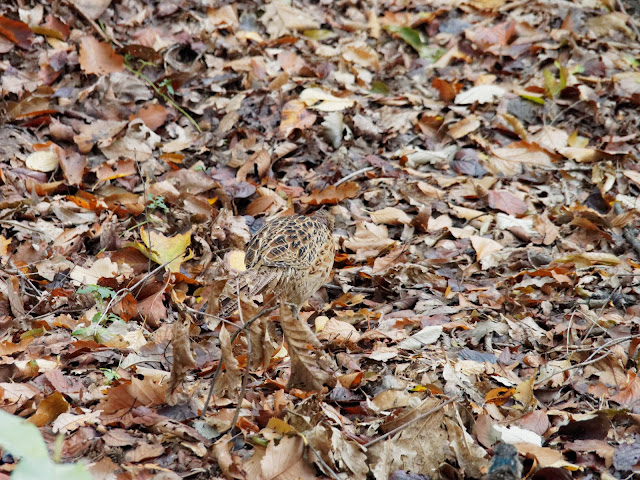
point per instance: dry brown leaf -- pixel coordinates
(49, 409)
(629, 394)
(183, 359)
(295, 116)
(390, 216)
(258, 162)
(228, 384)
(284, 461)
(507, 202)
(339, 333)
(127, 395)
(332, 194)
(484, 246)
(464, 127)
(92, 8)
(99, 58)
(309, 370)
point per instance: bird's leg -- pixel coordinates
(295, 309)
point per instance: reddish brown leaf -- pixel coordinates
(54, 28)
(16, 31)
(447, 91)
(332, 195)
(506, 202)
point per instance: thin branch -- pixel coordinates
(633, 24)
(243, 387)
(333, 474)
(352, 175)
(410, 422)
(590, 359)
(95, 26)
(330, 286)
(233, 337)
(166, 97)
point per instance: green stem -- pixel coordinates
(141, 75)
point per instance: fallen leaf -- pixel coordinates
(99, 58)
(162, 249)
(484, 246)
(332, 194)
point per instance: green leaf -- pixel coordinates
(20, 438)
(533, 98)
(379, 87)
(409, 35)
(319, 34)
(100, 292)
(413, 38)
(24, 441)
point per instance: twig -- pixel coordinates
(410, 422)
(233, 337)
(117, 298)
(95, 26)
(629, 232)
(243, 387)
(166, 97)
(633, 25)
(353, 174)
(595, 322)
(333, 474)
(352, 289)
(589, 359)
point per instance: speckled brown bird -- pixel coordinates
(290, 257)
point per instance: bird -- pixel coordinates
(290, 257)
(505, 464)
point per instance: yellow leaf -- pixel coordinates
(524, 393)
(236, 260)
(162, 249)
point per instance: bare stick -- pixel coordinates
(333, 474)
(95, 26)
(243, 387)
(233, 337)
(410, 422)
(633, 24)
(590, 359)
(354, 174)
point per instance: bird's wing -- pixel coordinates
(286, 242)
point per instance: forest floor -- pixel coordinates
(480, 158)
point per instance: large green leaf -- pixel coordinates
(23, 440)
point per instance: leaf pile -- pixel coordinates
(480, 157)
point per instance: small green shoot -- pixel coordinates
(95, 329)
(553, 85)
(157, 203)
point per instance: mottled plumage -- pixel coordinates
(290, 257)
(505, 464)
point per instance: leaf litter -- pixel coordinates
(480, 158)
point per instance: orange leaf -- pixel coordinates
(49, 409)
(499, 396)
(295, 115)
(332, 195)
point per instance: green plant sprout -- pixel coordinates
(95, 329)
